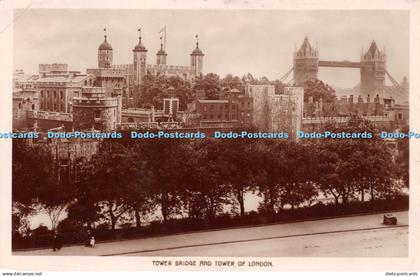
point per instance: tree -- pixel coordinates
(298, 186)
(317, 90)
(206, 193)
(235, 167)
(37, 181)
(165, 162)
(333, 167)
(269, 173)
(111, 178)
(346, 167)
(85, 208)
(232, 82)
(403, 158)
(155, 88)
(210, 84)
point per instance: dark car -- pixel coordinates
(390, 219)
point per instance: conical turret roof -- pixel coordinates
(105, 45)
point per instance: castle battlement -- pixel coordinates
(94, 102)
(322, 120)
(107, 72)
(361, 99)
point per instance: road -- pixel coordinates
(357, 236)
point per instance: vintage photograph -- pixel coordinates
(211, 133)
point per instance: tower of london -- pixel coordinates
(132, 75)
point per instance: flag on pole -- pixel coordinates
(163, 30)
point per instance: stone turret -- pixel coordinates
(105, 54)
(305, 63)
(372, 72)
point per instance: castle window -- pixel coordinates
(400, 116)
(211, 116)
(20, 106)
(97, 114)
(61, 95)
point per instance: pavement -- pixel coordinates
(356, 236)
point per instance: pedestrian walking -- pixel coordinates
(56, 241)
(92, 242)
(88, 237)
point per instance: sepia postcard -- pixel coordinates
(210, 135)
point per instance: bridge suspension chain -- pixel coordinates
(395, 83)
(282, 79)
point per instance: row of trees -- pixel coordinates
(128, 180)
(155, 88)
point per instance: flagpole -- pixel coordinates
(164, 41)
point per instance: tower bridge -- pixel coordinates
(372, 66)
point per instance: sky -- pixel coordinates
(260, 42)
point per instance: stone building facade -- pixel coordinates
(274, 112)
(95, 111)
(236, 108)
(21, 106)
(25, 98)
(260, 95)
(57, 89)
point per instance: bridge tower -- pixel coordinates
(305, 63)
(372, 71)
